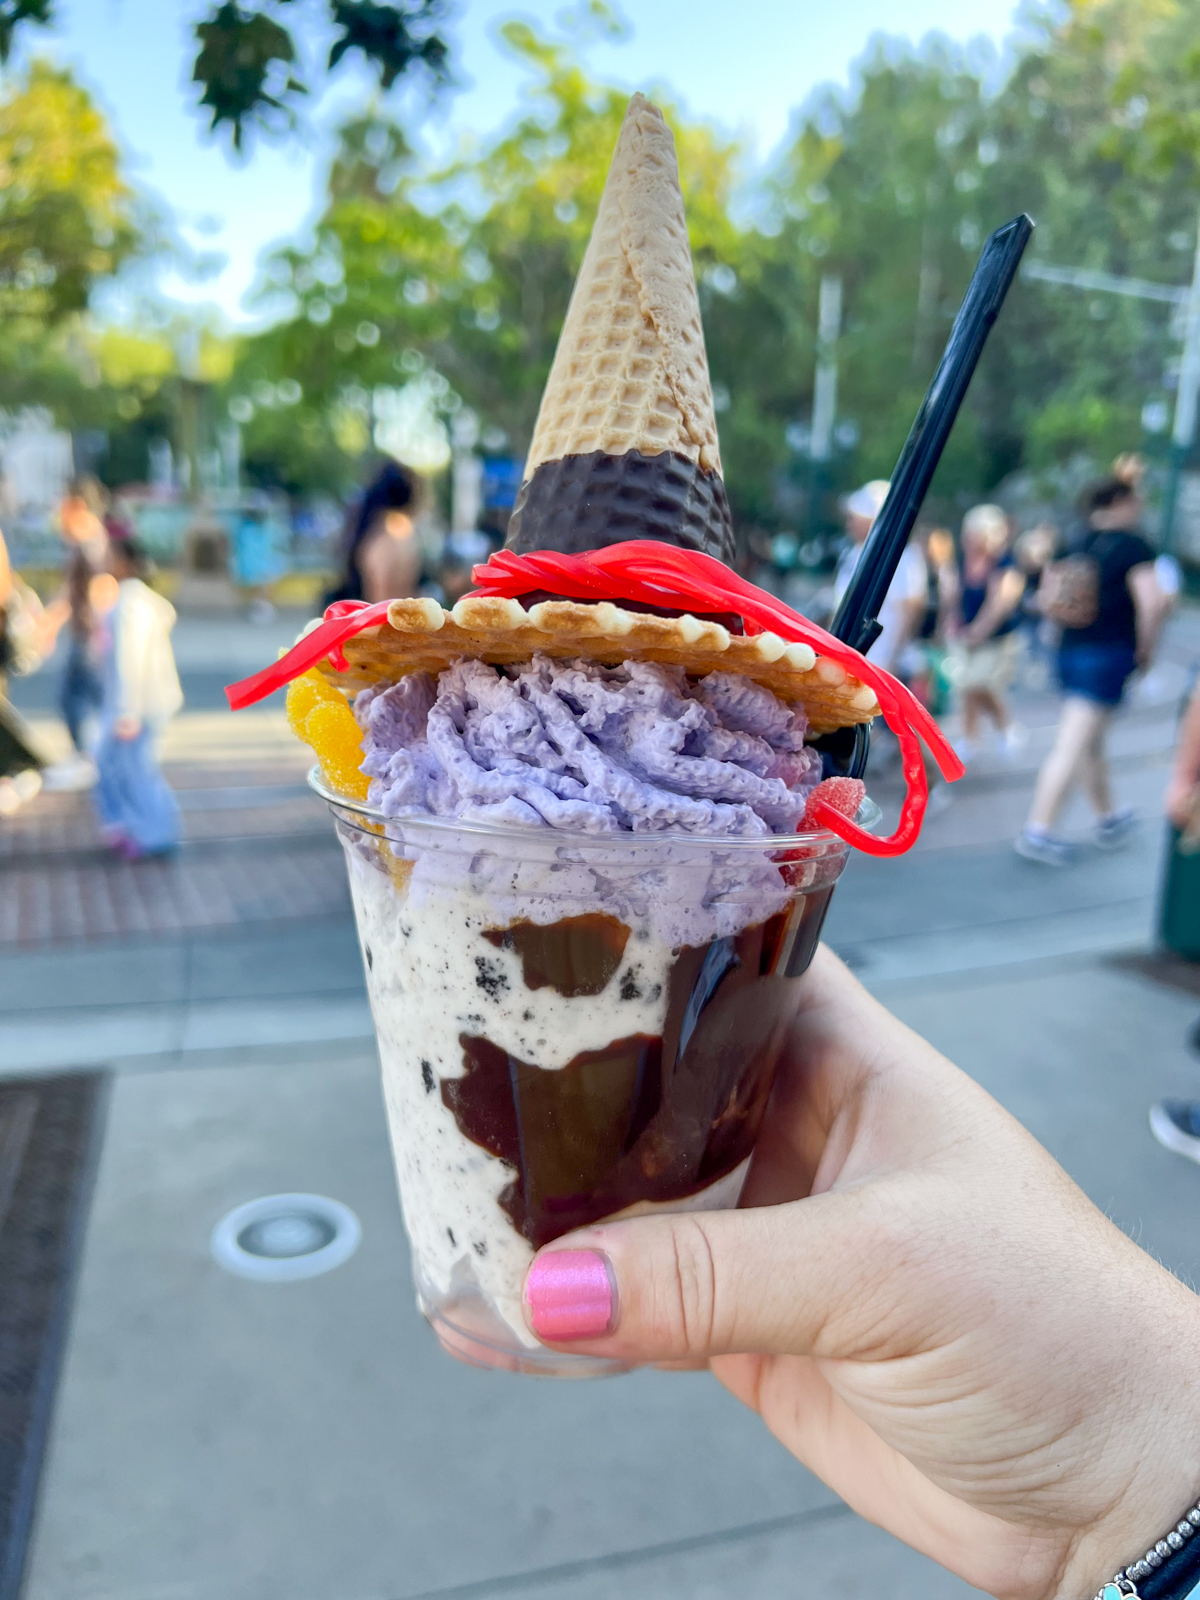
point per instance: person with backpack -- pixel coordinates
(1107, 599)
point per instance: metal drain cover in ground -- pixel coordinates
(284, 1237)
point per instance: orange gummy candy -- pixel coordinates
(304, 693)
(320, 716)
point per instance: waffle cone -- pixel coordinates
(630, 371)
(420, 636)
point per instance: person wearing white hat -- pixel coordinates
(904, 605)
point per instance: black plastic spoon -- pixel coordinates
(857, 620)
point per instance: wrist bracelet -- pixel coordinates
(1169, 1570)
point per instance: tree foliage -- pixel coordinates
(66, 212)
(15, 12)
(247, 63)
(69, 220)
(455, 278)
(461, 276)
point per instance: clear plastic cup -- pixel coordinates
(571, 1027)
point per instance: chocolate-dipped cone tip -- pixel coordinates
(625, 444)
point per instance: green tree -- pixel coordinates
(895, 186)
(462, 274)
(68, 221)
(66, 213)
(247, 63)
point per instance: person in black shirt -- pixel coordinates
(1094, 665)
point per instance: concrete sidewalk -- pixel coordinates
(223, 1440)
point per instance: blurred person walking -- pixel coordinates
(903, 608)
(1130, 468)
(383, 553)
(1033, 551)
(81, 519)
(137, 810)
(985, 641)
(1111, 607)
(1176, 1123)
(257, 560)
(20, 765)
(901, 617)
(928, 679)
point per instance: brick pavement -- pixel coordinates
(258, 847)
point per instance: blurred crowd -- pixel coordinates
(971, 612)
(1081, 605)
(118, 685)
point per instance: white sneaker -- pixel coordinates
(1045, 848)
(940, 799)
(1111, 832)
(68, 776)
(966, 750)
(1014, 739)
(1176, 1125)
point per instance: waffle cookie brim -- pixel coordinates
(421, 636)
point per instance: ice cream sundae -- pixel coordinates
(589, 838)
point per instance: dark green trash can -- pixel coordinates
(1179, 922)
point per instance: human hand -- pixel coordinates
(926, 1311)
(127, 728)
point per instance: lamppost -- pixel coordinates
(820, 448)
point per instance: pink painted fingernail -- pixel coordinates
(571, 1295)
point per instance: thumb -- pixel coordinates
(771, 1280)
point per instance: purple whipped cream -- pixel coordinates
(571, 744)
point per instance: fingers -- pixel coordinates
(840, 1196)
(683, 1288)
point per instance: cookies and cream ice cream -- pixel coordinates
(552, 1051)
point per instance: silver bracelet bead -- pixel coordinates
(1126, 1580)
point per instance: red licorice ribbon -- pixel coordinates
(656, 574)
(343, 619)
(664, 575)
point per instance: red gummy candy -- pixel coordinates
(843, 794)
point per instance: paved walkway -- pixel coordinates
(220, 1440)
(257, 845)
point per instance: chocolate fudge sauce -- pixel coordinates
(645, 1117)
(575, 956)
(586, 502)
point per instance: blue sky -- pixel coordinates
(746, 67)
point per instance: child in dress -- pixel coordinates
(137, 809)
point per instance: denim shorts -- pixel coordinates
(1096, 672)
